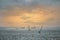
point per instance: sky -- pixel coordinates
(18, 13)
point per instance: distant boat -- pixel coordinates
(29, 28)
(40, 29)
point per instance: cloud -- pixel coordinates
(20, 17)
(29, 13)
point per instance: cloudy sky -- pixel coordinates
(17, 13)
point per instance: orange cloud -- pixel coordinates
(22, 17)
(26, 19)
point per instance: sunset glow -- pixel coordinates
(29, 13)
(27, 18)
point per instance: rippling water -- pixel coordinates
(29, 35)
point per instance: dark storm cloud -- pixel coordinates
(4, 3)
(56, 0)
(26, 3)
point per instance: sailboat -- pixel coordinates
(29, 28)
(40, 29)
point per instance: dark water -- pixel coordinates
(29, 35)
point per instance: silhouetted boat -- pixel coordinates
(40, 29)
(29, 28)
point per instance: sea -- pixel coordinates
(18, 34)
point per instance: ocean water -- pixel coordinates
(29, 34)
